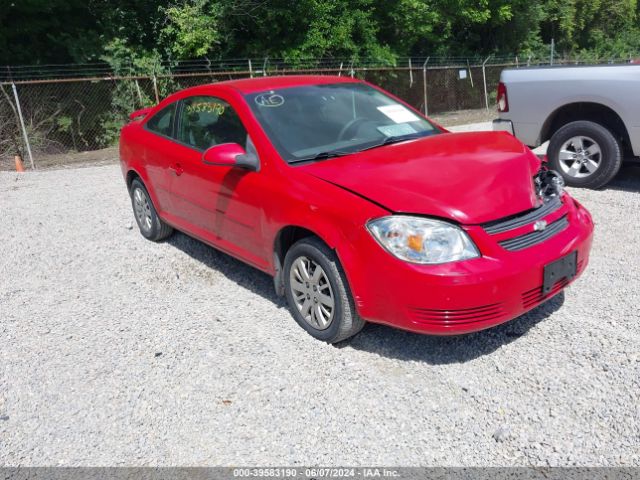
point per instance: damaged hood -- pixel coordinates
(467, 177)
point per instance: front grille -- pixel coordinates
(457, 317)
(534, 238)
(520, 220)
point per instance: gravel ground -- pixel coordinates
(118, 351)
(464, 117)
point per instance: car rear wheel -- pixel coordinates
(150, 224)
(586, 154)
(317, 292)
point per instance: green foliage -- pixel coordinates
(589, 24)
(341, 28)
(192, 29)
(64, 123)
(110, 124)
(127, 95)
(60, 31)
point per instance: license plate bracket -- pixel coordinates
(564, 268)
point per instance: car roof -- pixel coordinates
(259, 84)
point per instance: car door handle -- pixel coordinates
(177, 169)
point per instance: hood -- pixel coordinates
(470, 177)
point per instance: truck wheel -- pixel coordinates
(317, 292)
(586, 154)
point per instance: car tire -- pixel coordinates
(150, 224)
(309, 296)
(592, 166)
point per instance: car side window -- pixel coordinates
(208, 121)
(162, 122)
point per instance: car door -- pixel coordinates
(219, 204)
(157, 154)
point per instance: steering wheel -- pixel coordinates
(350, 125)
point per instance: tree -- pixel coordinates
(64, 31)
(193, 29)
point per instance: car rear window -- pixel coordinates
(162, 122)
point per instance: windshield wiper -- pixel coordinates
(395, 139)
(321, 156)
(339, 153)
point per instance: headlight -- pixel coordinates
(422, 240)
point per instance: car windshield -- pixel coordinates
(316, 122)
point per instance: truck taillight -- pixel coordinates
(503, 101)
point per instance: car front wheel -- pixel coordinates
(586, 154)
(317, 292)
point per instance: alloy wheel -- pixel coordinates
(580, 157)
(142, 209)
(312, 292)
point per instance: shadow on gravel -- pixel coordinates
(379, 339)
(238, 272)
(401, 345)
(627, 180)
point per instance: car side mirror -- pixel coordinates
(231, 155)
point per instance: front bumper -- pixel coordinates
(500, 125)
(465, 296)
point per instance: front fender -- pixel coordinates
(334, 215)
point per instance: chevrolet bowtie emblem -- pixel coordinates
(540, 225)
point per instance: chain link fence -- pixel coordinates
(51, 121)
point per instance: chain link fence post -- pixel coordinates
(424, 85)
(24, 130)
(484, 79)
(410, 74)
(141, 102)
(155, 87)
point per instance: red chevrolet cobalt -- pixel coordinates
(360, 207)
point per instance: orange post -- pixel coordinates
(19, 164)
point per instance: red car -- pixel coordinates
(360, 207)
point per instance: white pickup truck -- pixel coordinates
(590, 114)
